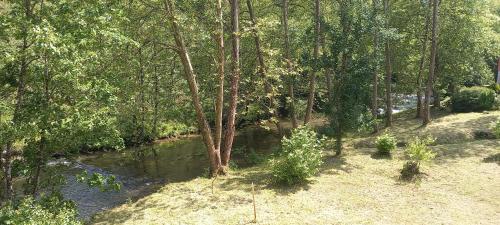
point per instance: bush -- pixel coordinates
(174, 129)
(496, 129)
(385, 144)
(300, 157)
(417, 152)
(46, 210)
(474, 99)
(495, 87)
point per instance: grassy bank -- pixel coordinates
(459, 187)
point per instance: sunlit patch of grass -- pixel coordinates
(446, 128)
(458, 188)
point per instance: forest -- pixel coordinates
(249, 111)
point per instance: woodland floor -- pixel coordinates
(461, 186)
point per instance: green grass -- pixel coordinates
(458, 187)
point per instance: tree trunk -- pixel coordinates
(422, 62)
(155, 97)
(235, 79)
(312, 81)
(375, 70)
(288, 60)
(219, 105)
(388, 72)
(142, 98)
(6, 156)
(432, 66)
(263, 69)
(213, 154)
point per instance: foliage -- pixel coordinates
(386, 143)
(473, 99)
(104, 183)
(300, 157)
(417, 151)
(49, 210)
(495, 87)
(496, 129)
(175, 129)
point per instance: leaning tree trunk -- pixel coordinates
(432, 66)
(312, 81)
(233, 102)
(213, 153)
(288, 60)
(422, 63)
(263, 69)
(388, 73)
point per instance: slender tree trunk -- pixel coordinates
(141, 97)
(213, 153)
(312, 81)
(288, 60)
(7, 151)
(388, 72)
(422, 62)
(375, 69)
(263, 69)
(219, 105)
(235, 79)
(432, 66)
(156, 103)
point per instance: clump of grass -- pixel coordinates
(418, 151)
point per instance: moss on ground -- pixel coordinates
(458, 187)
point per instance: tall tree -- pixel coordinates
(213, 153)
(221, 63)
(262, 69)
(289, 67)
(424, 41)
(432, 64)
(312, 79)
(376, 65)
(388, 71)
(233, 102)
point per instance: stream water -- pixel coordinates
(142, 170)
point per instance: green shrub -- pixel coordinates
(496, 129)
(174, 129)
(300, 157)
(417, 152)
(385, 144)
(495, 87)
(52, 210)
(474, 99)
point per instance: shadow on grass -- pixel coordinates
(378, 155)
(495, 158)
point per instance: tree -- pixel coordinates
(388, 71)
(231, 115)
(432, 65)
(422, 63)
(312, 81)
(289, 67)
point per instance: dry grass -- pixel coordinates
(458, 187)
(446, 128)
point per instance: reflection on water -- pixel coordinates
(142, 169)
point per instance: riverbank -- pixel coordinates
(459, 187)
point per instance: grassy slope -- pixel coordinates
(459, 188)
